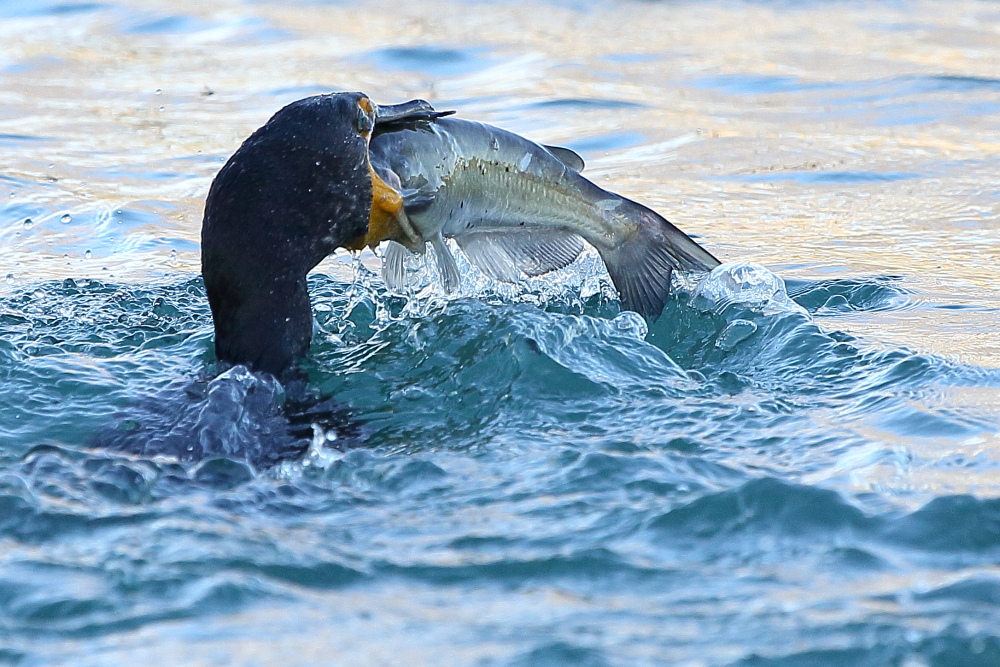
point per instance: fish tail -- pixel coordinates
(641, 267)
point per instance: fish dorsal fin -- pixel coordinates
(567, 157)
(394, 266)
(447, 267)
(505, 255)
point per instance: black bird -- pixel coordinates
(297, 189)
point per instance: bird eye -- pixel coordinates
(364, 121)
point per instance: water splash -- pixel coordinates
(569, 289)
(746, 285)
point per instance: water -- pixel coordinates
(795, 465)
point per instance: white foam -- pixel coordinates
(746, 284)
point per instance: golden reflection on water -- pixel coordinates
(718, 115)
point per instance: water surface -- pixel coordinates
(795, 465)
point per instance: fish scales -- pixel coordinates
(487, 188)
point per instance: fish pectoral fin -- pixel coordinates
(505, 255)
(394, 266)
(446, 265)
(489, 257)
(569, 158)
(540, 251)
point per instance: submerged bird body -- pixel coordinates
(517, 207)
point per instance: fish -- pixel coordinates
(518, 208)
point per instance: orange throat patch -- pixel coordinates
(387, 220)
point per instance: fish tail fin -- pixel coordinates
(641, 267)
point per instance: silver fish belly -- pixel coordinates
(517, 208)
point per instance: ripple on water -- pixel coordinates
(950, 649)
(432, 61)
(584, 104)
(606, 142)
(826, 177)
(900, 100)
(553, 654)
(19, 8)
(167, 25)
(829, 297)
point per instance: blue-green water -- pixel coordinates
(781, 473)
(659, 482)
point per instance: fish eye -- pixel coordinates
(364, 121)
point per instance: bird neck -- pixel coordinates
(296, 190)
(264, 322)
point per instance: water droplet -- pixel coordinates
(162, 108)
(173, 256)
(88, 254)
(66, 219)
(28, 223)
(52, 166)
(631, 324)
(10, 277)
(157, 91)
